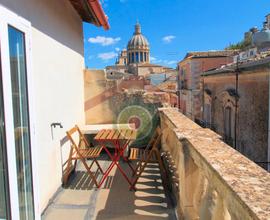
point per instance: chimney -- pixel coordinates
(265, 26)
(253, 30)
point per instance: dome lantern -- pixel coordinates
(137, 28)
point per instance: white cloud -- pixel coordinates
(168, 39)
(107, 56)
(171, 62)
(153, 59)
(117, 49)
(166, 62)
(104, 41)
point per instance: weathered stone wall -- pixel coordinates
(190, 70)
(252, 110)
(215, 181)
(106, 97)
(107, 102)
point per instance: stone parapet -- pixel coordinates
(215, 181)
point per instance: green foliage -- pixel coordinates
(242, 45)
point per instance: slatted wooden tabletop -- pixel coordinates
(116, 134)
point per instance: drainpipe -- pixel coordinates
(178, 89)
(268, 152)
(236, 102)
(202, 107)
(203, 98)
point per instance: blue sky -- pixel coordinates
(172, 27)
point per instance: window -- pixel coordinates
(137, 57)
(18, 73)
(207, 114)
(228, 125)
(4, 195)
(132, 58)
(141, 56)
(145, 56)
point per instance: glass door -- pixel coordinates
(4, 195)
(18, 72)
(16, 133)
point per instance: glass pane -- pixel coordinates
(4, 213)
(21, 122)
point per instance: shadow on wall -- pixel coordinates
(56, 19)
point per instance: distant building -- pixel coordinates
(135, 59)
(261, 39)
(189, 71)
(236, 105)
(122, 58)
(236, 98)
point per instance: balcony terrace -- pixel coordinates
(206, 179)
(81, 200)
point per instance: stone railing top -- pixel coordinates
(247, 180)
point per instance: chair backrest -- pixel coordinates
(155, 139)
(77, 142)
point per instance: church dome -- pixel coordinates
(138, 41)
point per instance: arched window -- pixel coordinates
(207, 111)
(207, 115)
(228, 125)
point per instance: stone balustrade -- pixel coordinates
(215, 181)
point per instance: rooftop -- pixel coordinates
(260, 61)
(213, 53)
(92, 12)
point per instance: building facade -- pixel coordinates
(236, 106)
(189, 74)
(41, 59)
(236, 98)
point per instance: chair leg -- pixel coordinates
(130, 166)
(89, 171)
(75, 164)
(142, 167)
(99, 167)
(91, 165)
(137, 176)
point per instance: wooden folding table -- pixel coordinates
(120, 139)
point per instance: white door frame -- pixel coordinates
(8, 17)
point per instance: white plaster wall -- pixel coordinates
(57, 48)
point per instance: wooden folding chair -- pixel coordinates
(151, 154)
(81, 151)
